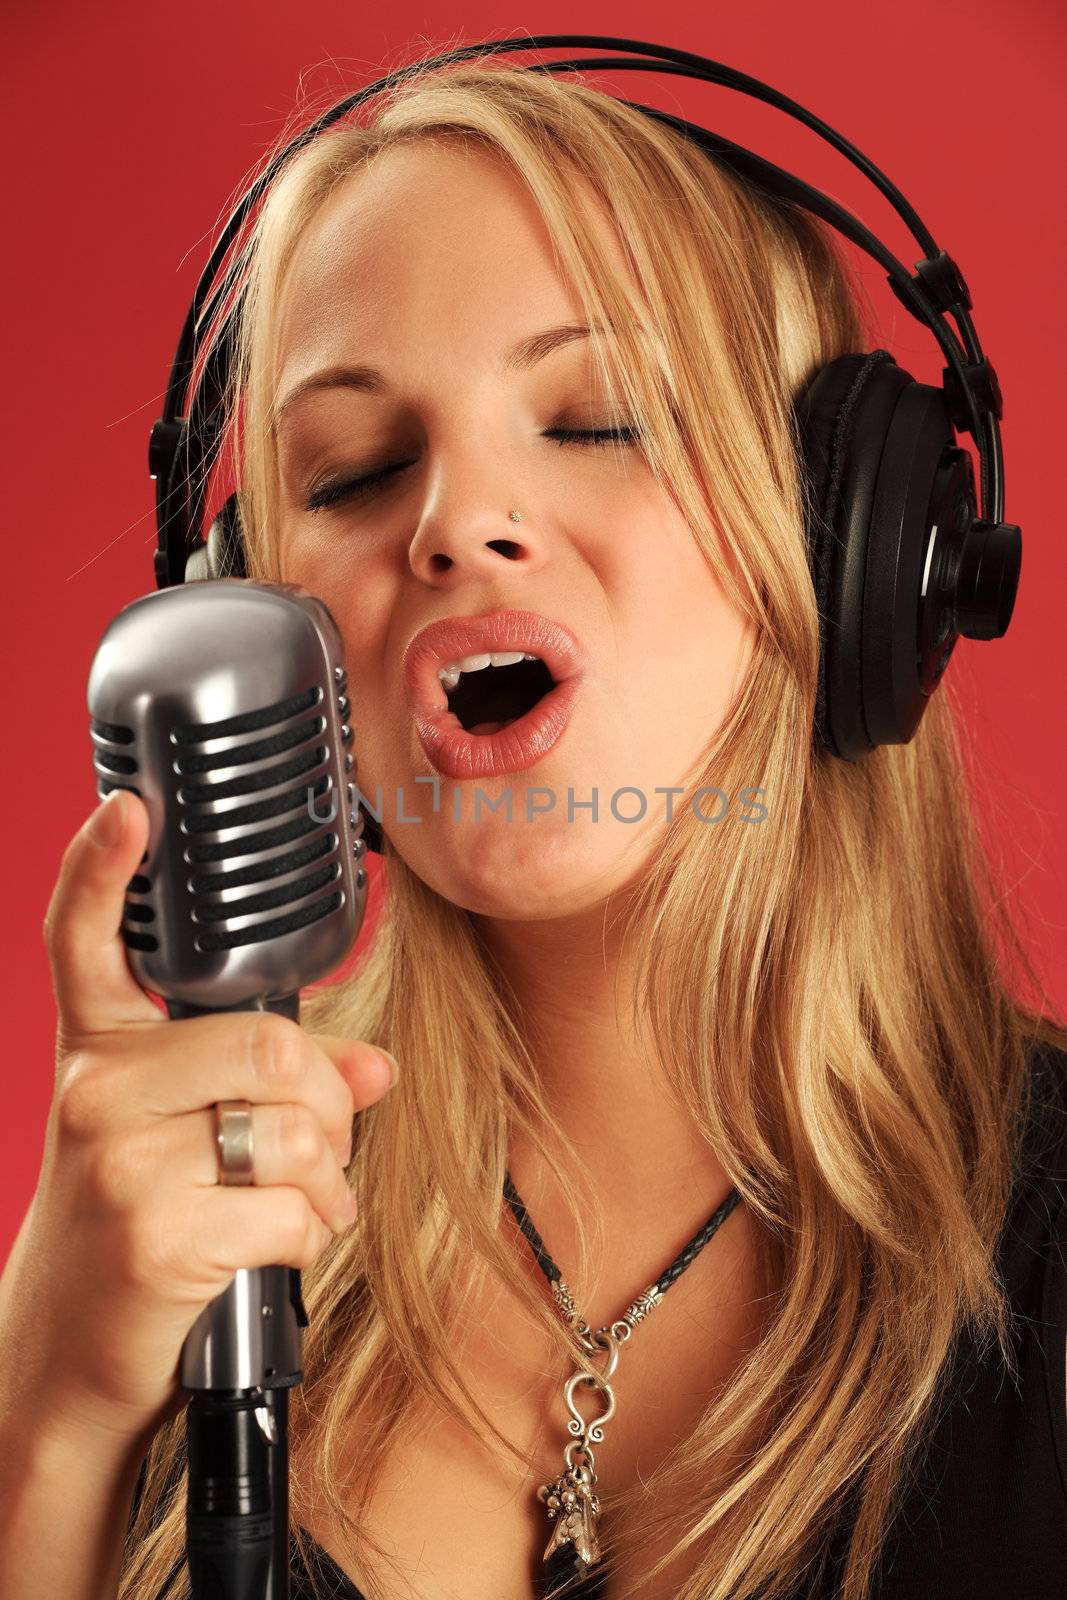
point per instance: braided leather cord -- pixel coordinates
(682, 1260)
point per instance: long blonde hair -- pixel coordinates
(829, 991)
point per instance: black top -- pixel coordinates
(986, 1516)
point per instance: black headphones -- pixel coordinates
(901, 562)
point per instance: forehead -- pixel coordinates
(428, 236)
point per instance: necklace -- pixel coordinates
(572, 1554)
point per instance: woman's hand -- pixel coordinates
(129, 1235)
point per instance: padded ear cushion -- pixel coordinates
(923, 503)
(222, 555)
(843, 416)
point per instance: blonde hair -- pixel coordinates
(841, 1029)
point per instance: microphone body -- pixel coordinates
(223, 705)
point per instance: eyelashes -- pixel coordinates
(347, 489)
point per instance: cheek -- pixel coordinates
(690, 646)
(361, 604)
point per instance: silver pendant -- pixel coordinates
(572, 1502)
(570, 1499)
(573, 1549)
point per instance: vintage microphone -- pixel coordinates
(223, 705)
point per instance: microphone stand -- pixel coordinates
(239, 1361)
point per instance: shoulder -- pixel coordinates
(987, 1498)
(1034, 1248)
(1049, 1065)
(1048, 1170)
(1043, 1156)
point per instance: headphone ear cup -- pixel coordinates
(840, 484)
(222, 554)
(874, 447)
(372, 833)
(891, 503)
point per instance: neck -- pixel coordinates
(649, 1165)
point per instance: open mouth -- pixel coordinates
(487, 698)
(492, 693)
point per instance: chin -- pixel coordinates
(524, 871)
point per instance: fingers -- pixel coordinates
(94, 987)
(290, 1148)
(253, 1056)
(369, 1069)
(251, 1227)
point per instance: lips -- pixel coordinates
(454, 751)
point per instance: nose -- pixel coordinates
(462, 536)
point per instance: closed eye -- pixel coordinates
(332, 494)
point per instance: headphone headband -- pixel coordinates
(182, 448)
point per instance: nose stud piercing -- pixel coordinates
(515, 516)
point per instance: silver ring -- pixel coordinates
(234, 1141)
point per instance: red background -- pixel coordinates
(129, 126)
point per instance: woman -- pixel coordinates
(631, 1011)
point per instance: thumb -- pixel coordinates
(94, 987)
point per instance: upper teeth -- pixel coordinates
(450, 671)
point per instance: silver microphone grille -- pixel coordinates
(223, 705)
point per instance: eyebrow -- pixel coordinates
(368, 380)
